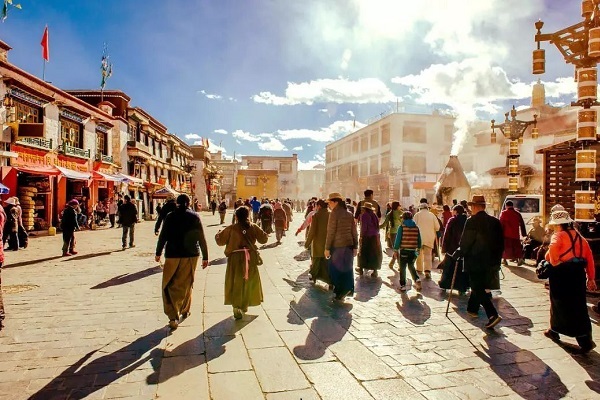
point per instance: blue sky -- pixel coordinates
(278, 77)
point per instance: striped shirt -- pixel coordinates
(410, 238)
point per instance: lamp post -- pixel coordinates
(580, 46)
(264, 179)
(514, 129)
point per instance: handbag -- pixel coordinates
(259, 260)
(543, 270)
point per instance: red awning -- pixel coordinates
(41, 170)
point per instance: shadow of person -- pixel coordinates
(303, 256)
(511, 317)
(127, 278)
(269, 246)
(524, 372)
(86, 256)
(86, 377)
(325, 331)
(31, 262)
(212, 343)
(218, 261)
(414, 308)
(591, 363)
(366, 288)
(525, 272)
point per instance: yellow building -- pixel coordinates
(257, 182)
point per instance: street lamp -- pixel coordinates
(264, 179)
(580, 46)
(514, 129)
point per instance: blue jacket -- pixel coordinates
(255, 205)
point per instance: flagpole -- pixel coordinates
(44, 72)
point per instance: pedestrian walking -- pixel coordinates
(2, 222)
(182, 238)
(265, 214)
(391, 223)
(169, 206)
(512, 222)
(68, 225)
(368, 197)
(222, 211)
(213, 206)
(279, 220)
(289, 215)
(568, 260)
(243, 287)
(341, 246)
(11, 226)
(481, 246)
(255, 204)
(112, 211)
(450, 243)
(429, 226)
(369, 245)
(128, 217)
(406, 248)
(315, 242)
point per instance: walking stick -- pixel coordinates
(452, 286)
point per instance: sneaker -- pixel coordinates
(403, 288)
(495, 320)
(472, 314)
(173, 324)
(550, 334)
(418, 286)
(427, 274)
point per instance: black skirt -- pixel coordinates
(370, 253)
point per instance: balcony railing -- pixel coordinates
(36, 142)
(104, 158)
(138, 145)
(75, 151)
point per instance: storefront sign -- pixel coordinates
(29, 157)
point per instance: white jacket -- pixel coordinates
(428, 226)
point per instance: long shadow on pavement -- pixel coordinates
(127, 278)
(591, 363)
(30, 262)
(366, 288)
(82, 378)
(524, 372)
(86, 256)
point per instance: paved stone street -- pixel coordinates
(92, 326)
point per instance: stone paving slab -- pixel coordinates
(92, 326)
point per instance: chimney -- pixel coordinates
(453, 183)
(538, 95)
(4, 49)
(107, 107)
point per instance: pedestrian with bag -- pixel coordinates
(182, 238)
(243, 286)
(568, 261)
(481, 246)
(128, 217)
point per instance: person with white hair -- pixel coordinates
(429, 226)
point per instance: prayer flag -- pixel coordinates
(45, 45)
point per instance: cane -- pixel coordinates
(452, 286)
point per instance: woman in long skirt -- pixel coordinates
(571, 259)
(315, 242)
(450, 243)
(369, 252)
(243, 287)
(341, 246)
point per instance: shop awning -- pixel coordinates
(41, 170)
(164, 192)
(100, 176)
(130, 179)
(71, 174)
(4, 189)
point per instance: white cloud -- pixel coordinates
(336, 130)
(298, 148)
(247, 136)
(220, 131)
(309, 165)
(350, 113)
(341, 90)
(324, 110)
(210, 96)
(272, 145)
(238, 142)
(193, 136)
(214, 147)
(346, 59)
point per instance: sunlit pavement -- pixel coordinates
(92, 326)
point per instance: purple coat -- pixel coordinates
(452, 233)
(369, 224)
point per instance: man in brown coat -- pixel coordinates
(315, 241)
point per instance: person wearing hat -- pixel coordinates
(169, 206)
(570, 259)
(481, 246)
(68, 225)
(512, 222)
(429, 226)
(534, 239)
(369, 248)
(182, 238)
(341, 246)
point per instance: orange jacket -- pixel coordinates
(562, 250)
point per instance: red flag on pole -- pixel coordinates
(45, 45)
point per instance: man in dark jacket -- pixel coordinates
(169, 206)
(182, 237)
(481, 246)
(69, 225)
(368, 197)
(128, 217)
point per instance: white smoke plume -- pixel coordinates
(478, 181)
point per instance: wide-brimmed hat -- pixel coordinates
(369, 205)
(560, 217)
(11, 201)
(335, 195)
(480, 200)
(557, 207)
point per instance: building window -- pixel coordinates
(101, 143)
(160, 150)
(254, 165)
(354, 170)
(414, 132)
(385, 162)
(385, 134)
(448, 133)
(364, 143)
(251, 181)
(374, 167)
(414, 163)
(363, 169)
(70, 133)
(355, 146)
(285, 167)
(26, 113)
(374, 139)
